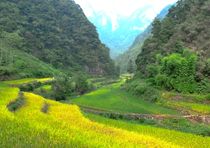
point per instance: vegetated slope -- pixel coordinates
(186, 26)
(131, 54)
(168, 135)
(56, 32)
(15, 63)
(64, 126)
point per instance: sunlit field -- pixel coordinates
(64, 126)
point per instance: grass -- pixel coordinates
(113, 98)
(63, 126)
(196, 107)
(175, 137)
(190, 102)
(27, 80)
(23, 65)
(200, 98)
(46, 87)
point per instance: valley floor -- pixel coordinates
(39, 122)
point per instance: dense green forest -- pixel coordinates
(176, 56)
(55, 32)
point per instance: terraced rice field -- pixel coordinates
(65, 126)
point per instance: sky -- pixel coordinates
(123, 8)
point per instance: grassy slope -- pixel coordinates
(26, 80)
(113, 98)
(186, 140)
(194, 103)
(62, 126)
(25, 65)
(65, 126)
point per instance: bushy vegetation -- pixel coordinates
(143, 89)
(164, 54)
(30, 86)
(176, 71)
(60, 87)
(16, 64)
(18, 103)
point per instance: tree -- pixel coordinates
(156, 28)
(180, 70)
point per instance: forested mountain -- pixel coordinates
(177, 55)
(56, 32)
(186, 26)
(129, 57)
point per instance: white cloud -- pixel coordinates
(123, 8)
(103, 21)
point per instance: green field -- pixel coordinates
(113, 98)
(64, 125)
(27, 80)
(193, 103)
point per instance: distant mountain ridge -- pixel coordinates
(118, 33)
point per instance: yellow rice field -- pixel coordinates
(65, 126)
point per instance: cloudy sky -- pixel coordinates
(123, 8)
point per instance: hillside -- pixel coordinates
(176, 56)
(15, 63)
(186, 26)
(57, 33)
(131, 54)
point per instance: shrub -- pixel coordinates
(208, 97)
(151, 94)
(163, 81)
(45, 107)
(64, 86)
(180, 70)
(16, 104)
(30, 86)
(140, 89)
(152, 70)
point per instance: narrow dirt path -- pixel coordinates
(136, 116)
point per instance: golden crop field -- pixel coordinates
(65, 126)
